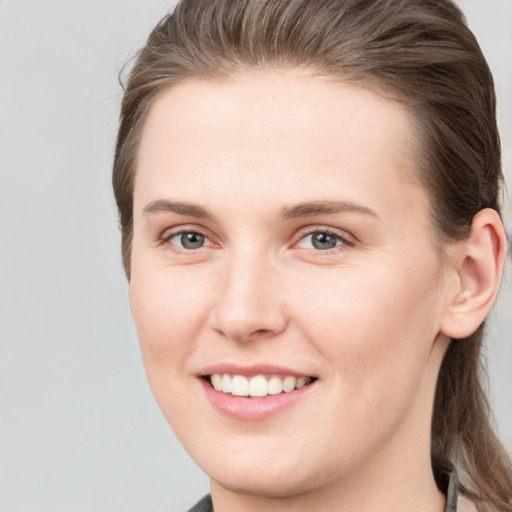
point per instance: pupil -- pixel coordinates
(192, 240)
(323, 241)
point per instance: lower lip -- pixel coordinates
(253, 409)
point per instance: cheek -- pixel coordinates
(375, 326)
(169, 309)
(169, 313)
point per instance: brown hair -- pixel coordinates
(421, 53)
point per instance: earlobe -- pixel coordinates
(478, 268)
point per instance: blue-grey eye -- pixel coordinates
(192, 240)
(324, 241)
(188, 240)
(321, 241)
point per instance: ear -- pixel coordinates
(477, 267)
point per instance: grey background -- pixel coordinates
(79, 430)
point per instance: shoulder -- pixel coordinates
(205, 505)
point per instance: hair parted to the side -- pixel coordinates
(420, 52)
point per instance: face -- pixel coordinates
(285, 285)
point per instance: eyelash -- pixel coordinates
(167, 236)
(344, 239)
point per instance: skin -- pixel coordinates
(370, 318)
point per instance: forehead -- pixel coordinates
(274, 124)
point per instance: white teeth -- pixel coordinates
(226, 383)
(257, 386)
(289, 383)
(275, 386)
(217, 381)
(239, 386)
(301, 382)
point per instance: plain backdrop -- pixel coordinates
(79, 430)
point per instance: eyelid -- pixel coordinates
(169, 233)
(343, 236)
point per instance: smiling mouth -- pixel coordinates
(258, 386)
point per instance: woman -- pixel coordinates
(308, 195)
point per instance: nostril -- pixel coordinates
(261, 333)
(242, 320)
(245, 337)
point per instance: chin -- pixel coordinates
(261, 483)
(266, 474)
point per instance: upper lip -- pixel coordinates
(251, 370)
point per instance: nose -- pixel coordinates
(249, 305)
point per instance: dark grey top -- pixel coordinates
(205, 505)
(446, 481)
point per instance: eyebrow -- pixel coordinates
(188, 209)
(313, 208)
(307, 209)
